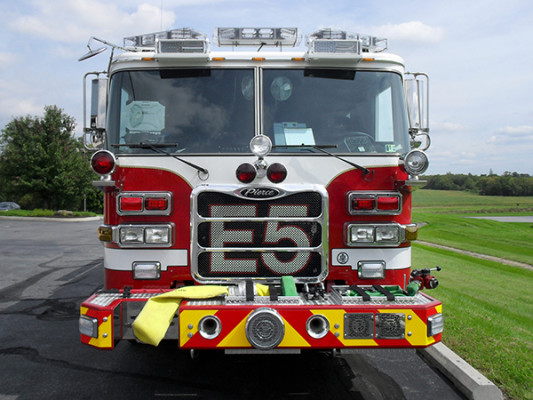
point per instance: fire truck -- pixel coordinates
(260, 189)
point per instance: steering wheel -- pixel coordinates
(360, 142)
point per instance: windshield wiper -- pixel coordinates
(157, 148)
(321, 147)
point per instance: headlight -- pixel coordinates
(361, 234)
(388, 234)
(132, 235)
(416, 162)
(156, 235)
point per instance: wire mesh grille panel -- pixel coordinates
(238, 237)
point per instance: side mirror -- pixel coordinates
(416, 86)
(94, 134)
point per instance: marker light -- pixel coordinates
(88, 326)
(435, 324)
(416, 162)
(276, 173)
(260, 145)
(246, 173)
(105, 233)
(103, 162)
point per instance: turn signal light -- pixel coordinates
(103, 162)
(363, 204)
(155, 203)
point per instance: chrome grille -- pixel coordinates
(237, 237)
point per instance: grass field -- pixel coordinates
(43, 213)
(444, 213)
(488, 306)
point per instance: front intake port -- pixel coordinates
(265, 328)
(209, 327)
(317, 326)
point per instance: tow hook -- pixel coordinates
(422, 278)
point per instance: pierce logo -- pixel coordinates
(258, 193)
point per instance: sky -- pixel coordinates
(478, 54)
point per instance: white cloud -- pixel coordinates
(512, 135)
(72, 21)
(8, 59)
(447, 127)
(414, 31)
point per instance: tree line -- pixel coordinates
(43, 165)
(508, 184)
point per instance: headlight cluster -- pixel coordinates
(374, 234)
(137, 235)
(145, 235)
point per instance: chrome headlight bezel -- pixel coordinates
(144, 235)
(360, 234)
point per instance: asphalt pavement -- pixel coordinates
(48, 268)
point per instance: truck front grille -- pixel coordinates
(236, 237)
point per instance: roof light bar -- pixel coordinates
(330, 41)
(256, 36)
(149, 39)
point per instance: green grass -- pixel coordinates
(447, 223)
(487, 311)
(488, 307)
(451, 201)
(44, 213)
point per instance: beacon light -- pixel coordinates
(276, 173)
(246, 173)
(103, 162)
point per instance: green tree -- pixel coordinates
(42, 164)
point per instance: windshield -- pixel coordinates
(213, 110)
(352, 111)
(200, 110)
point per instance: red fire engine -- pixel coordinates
(262, 196)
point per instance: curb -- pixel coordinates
(466, 378)
(52, 219)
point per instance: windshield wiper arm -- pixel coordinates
(321, 147)
(157, 148)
